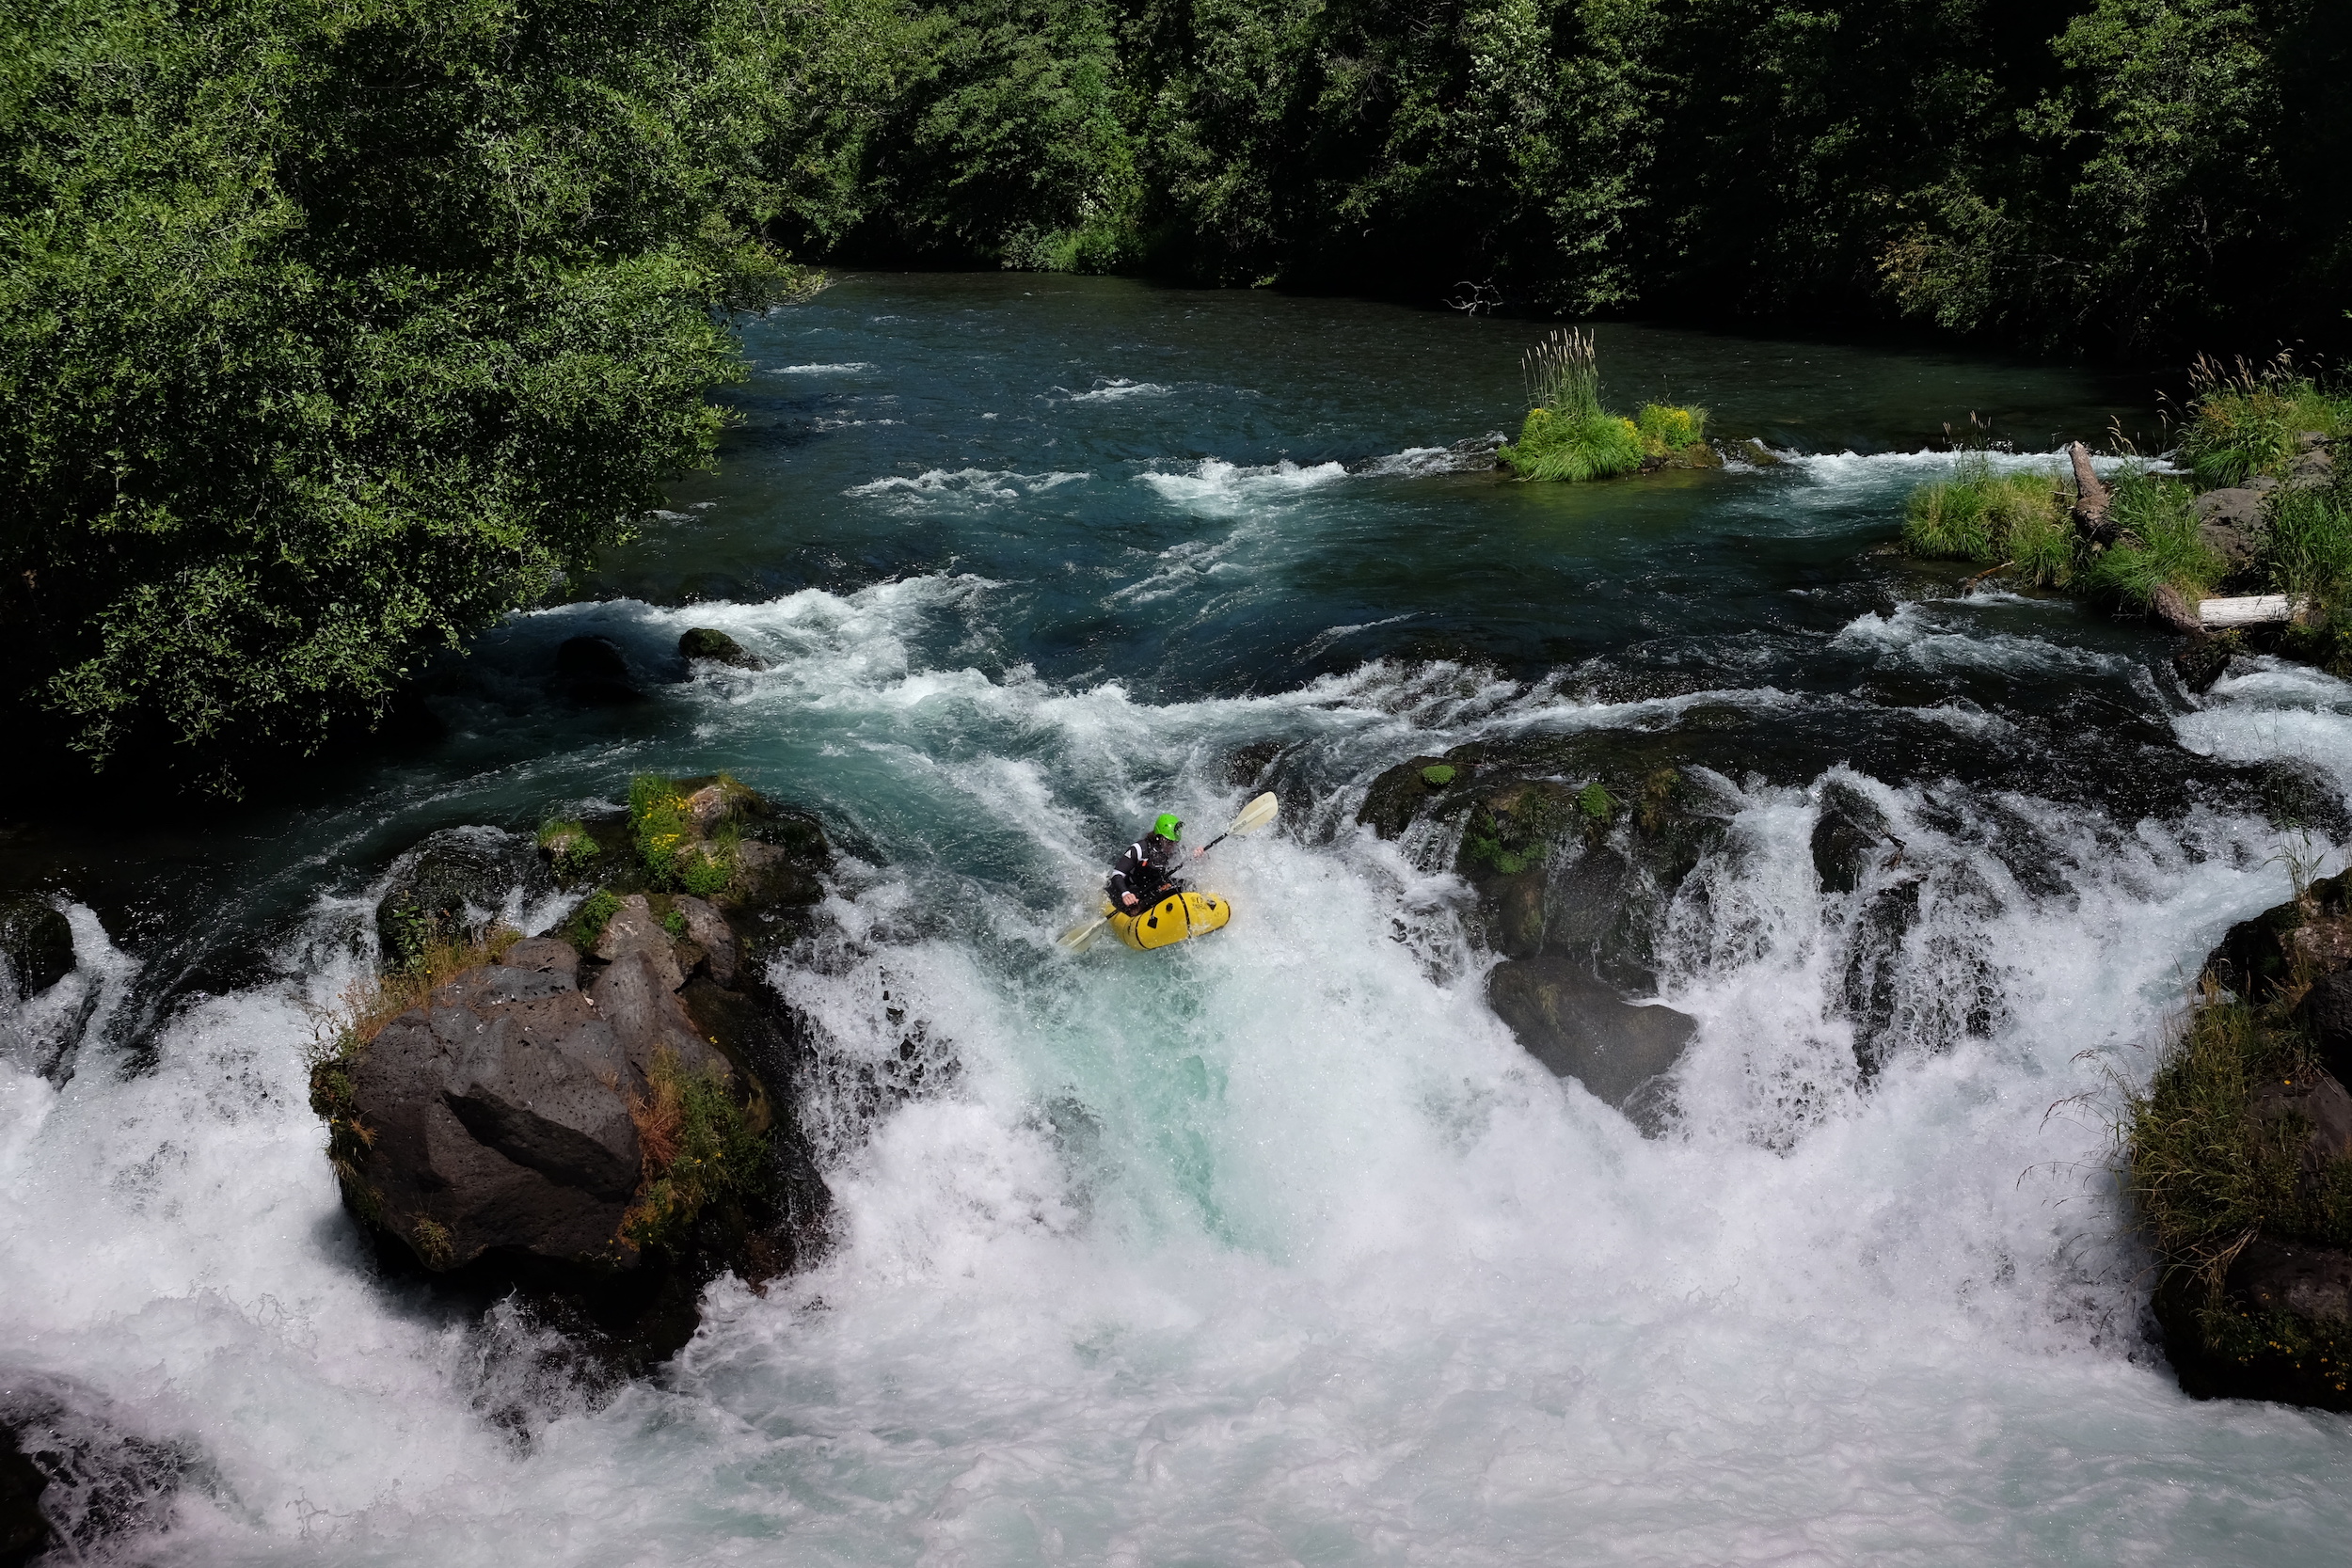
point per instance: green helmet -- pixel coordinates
(1168, 826)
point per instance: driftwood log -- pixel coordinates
(2257, 610)
(2168, 606)
(2091, 498)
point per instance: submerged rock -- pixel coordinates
(593, 672)
(1581, 1028)
(717, 647)
(452, 887)
(24, 1530)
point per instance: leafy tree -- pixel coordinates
(331, 333)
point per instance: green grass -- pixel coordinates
(674, 849)
(1568, 436)
(1984, 516)
(1668, 428)
(1574, 447)
(587, 924)
(568, 846)
(2156, 512)
(2247, 421)
(698, 1146)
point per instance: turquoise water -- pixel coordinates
(1274, 1249)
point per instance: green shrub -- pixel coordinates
(1667, 428)
(1979, 514)
(2158, 513)
(1574, 447)
(2245, 422)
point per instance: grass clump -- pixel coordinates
(1437, 775)
(2311, 556)
(2160, 546)
(566, 843)
(1568, 436)
(673, 845)
(1597, 804)
(2245, 422)
(698, 1146)
(1668, 428)
(1982, 515)
(586, 927)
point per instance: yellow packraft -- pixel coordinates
(1171, 920)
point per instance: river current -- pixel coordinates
(1273, 1249)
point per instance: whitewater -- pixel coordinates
(1275, 1247)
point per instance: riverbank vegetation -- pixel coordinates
(2256, 504)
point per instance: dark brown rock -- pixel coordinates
(1397, 795)
(496, 1117)
(717, 647)
(2304, 1281)
(2236, 508)
(634, 928)
(708, 930)
(1578, 1026)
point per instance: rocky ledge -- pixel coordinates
(1574, 846)
(2240, 1159)
(588, 1114)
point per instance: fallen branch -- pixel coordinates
(2258, 609)
(1970, 586)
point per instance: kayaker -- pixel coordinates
(1143, 875)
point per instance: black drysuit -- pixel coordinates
(1143, 871)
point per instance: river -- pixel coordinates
(1274, 1249)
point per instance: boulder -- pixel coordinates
(709, 931)
(1397, 796)
(2326, 1015)
(452, 885)
(1849, 837)
(2236, 508)
(36, 946)
(591, 671)
(2303, 1281)
(1578, 1026)
(496, 1117)
(717, 647)
(2312, 469)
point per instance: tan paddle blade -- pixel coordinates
(1256, 814)
(1081, 936)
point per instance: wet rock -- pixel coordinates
(24, 1530)
(1579, 1027)
(591, 671)
(634, 930)
(1849, 837)
(36, 946)
(454, 886)
(1249, 764)
(2203, 660)
(76, 1477)
(1397, 796)
(2299, 1279)
(1474, 455)
(496, 1117)
(717, 647)
(2317, 1106)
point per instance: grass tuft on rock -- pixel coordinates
(2244, 420)
(678, 849)
(698, 1147)
(568, 846)
(2161, 544)
(1986, 515)
(1668, 428)
(1568, 436)
(586, 927)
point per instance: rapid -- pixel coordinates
(1273, 1247)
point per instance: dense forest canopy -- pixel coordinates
(2122, 177)
(331, 330)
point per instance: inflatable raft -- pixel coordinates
(1174, 919)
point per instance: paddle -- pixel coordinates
(1256, 814)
